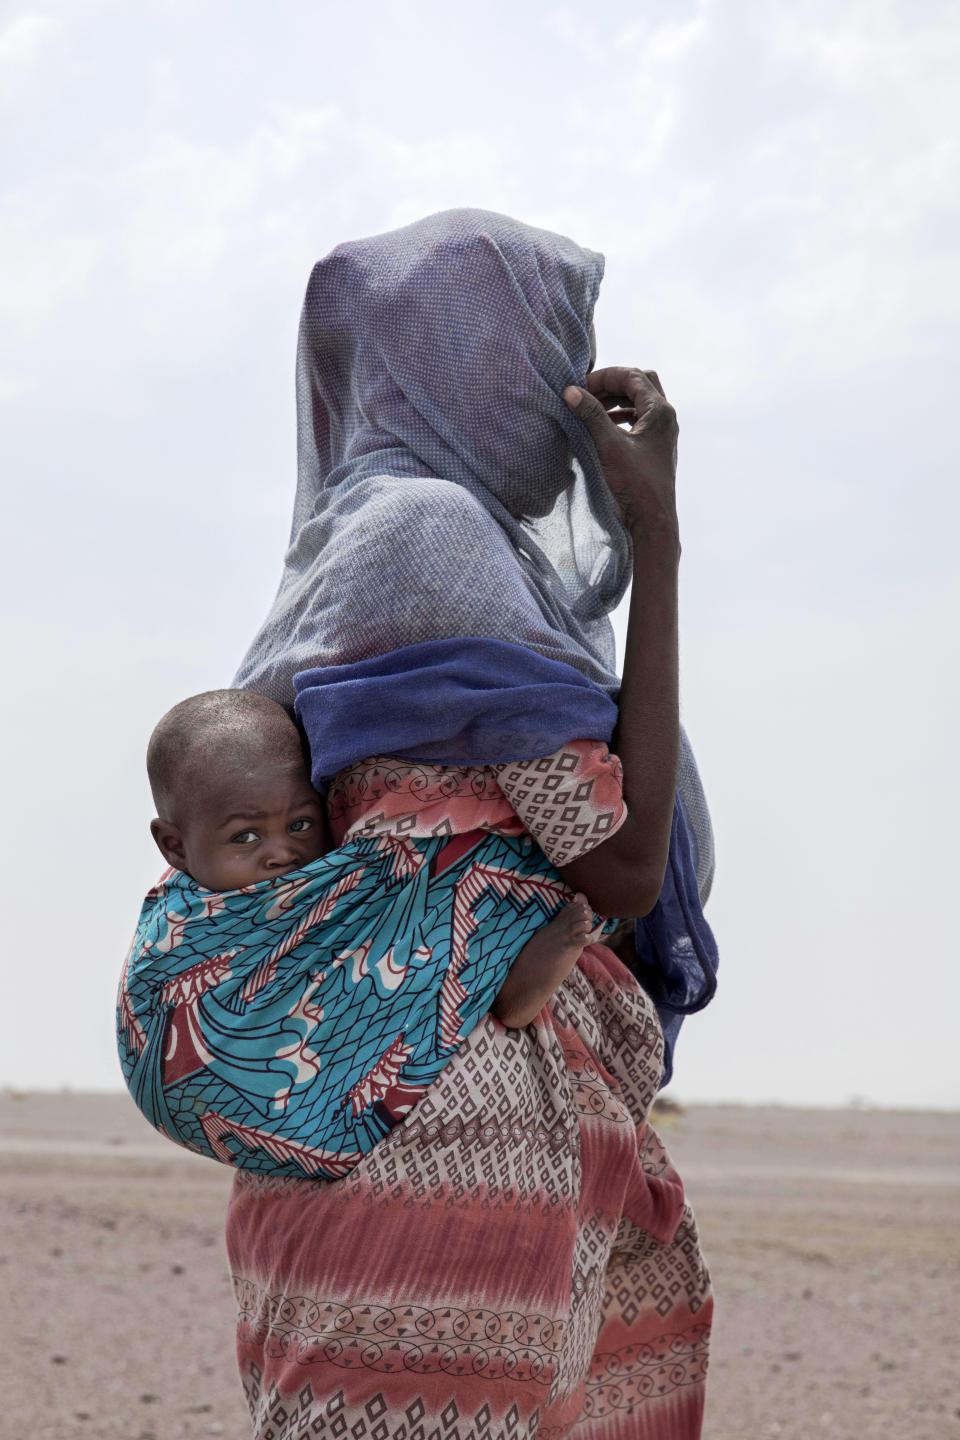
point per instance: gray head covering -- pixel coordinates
(444, 487)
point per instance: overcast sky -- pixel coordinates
(775, 188)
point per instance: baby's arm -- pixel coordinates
(544, 963)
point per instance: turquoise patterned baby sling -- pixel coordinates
(288, 1026)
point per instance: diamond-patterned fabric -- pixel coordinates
(515, 1259)
(569, 801)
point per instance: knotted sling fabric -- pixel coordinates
(288, 1026)
(453, 533)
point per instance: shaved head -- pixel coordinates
(203, 741)
(230, 776)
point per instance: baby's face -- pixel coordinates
(252, 824)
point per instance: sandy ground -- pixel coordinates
(833, 1239)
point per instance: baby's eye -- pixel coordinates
(304, 823)
(244, 837)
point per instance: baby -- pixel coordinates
(235, 806)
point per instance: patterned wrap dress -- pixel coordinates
(516, 1258)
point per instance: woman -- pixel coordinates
(516, 1258)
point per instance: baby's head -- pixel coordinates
(232, 791)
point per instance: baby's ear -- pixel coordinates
(169, 842)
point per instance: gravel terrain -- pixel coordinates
(832, 1235)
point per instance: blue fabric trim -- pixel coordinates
(469, 701)
(676, 953)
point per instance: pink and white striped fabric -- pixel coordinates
(516, 1259)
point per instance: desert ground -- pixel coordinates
(832, 1236)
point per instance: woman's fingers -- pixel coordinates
(639, 388)
(625, 394)
(589, 409)
(620, 388)
(640, 463)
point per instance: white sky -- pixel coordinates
(775, 188)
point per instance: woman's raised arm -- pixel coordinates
(623, 875)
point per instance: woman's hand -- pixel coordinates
(623, 876)
(639, 464)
